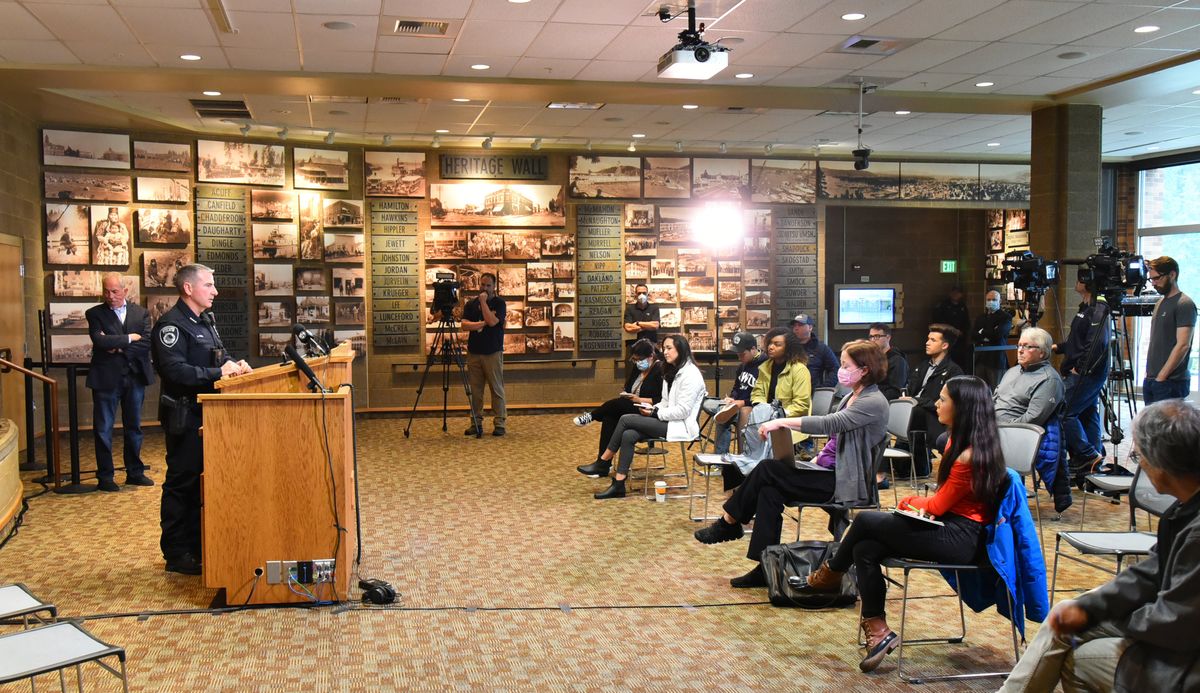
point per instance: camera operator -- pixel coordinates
(991, 329)
(1085, 371)
(1170, 335)
(483, 318)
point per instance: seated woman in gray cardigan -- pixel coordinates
(856, 430)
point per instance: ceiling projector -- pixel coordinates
(696, 61)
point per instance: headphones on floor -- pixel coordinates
(377, 591)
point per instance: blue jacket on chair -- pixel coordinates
(1015, 562)
(1051, 464)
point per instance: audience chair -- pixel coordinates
(899, 417)
(1119, 545)
(707, 465)
(1019, 442)
(1112, 487)
(822, 401)
(837, 525)
(16, 601)
(29, 653)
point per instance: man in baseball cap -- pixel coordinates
(822, 362)
(745, 345)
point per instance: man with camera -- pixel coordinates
(1085, 371)
(483, 319)
(189, 358)
(1171, 330)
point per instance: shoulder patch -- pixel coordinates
(168, 335)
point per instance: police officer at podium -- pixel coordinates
(189, 358)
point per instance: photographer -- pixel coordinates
(1085, 371)
(483, 318)
(1170, 335)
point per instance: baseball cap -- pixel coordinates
(803, 318)
(743, 342)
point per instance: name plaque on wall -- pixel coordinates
(221, 245)
(466, 166)
(395, 317)
(795, 256)
(598, 231)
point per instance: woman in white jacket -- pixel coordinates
(674, 418)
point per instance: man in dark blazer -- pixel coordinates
(118, 375)
(925, 385)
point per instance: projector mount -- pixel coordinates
(691, 38)
(862, 155)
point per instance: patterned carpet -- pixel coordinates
(512, 578)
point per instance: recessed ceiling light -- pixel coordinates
(442, 131)
(338, 26)
(211, 93)
(460, 100)
(189, 56)
(853, 16)
(576, 105)
(638, 135)
(1072, 55)
(481, 66)
(744, 75)
(518, 2)
(985, 84)
(993, 144)
(1148, 29)
(903, 112)
(690, 107)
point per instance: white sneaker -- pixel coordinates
(582, 419)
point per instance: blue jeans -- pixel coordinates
(104, 414)
(1081, 417)
(724, 432)
(1154, 391)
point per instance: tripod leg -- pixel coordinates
(429, 359)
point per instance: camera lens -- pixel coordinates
(702, 54)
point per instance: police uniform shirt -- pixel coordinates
(188, 353)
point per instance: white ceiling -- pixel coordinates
(954, 44)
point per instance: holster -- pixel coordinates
(174, 414)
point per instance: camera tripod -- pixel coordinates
(446, 349)
(1120, 381)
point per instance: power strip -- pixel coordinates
(303, 572)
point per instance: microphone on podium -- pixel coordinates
(309, 339)
(314, 385)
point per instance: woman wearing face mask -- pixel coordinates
(673, 418)
(856, 429)
(643, 386)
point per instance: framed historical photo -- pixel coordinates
(272, 205)
(345, 247)
(68, 316)
(159, 267)
(641, 246)
(695, 315)
(783, 180)
(564, 271)
(564, 335)
(394, 174)
(558, 245)
(640, 218)
(311, 280)
(68, 239)
(158, 303)
(514, 343)
(539, 271)
(482, 245)
(604, 176)
(839, 180)
(275, 314)
(637, 269)
(661, 268)
(273, 280)
(539, 343)
(697, 289)
(666, 177)
(349, 313)
(272, 344)
(692, 261)
(162, 156)
(720, 179)
(675, 224)
(70, 348)
(511, 280)
(729, 268)
(87, 187)
(240, 162)
(445, 245)
(1004, 182)
(496, 204)
(111, 235)
(539, 292)
(758, 319)
(537, 316)
(514, 315)
(87, 149)
(563, 291)
(662, 292)
(520, 245)
(669, 318)
(564, 310)
(273, 241)
(729, 291)
(702, 340)
(76, 283)
(349, 281)
(320, 169)
(343, 213)
(934, 181)
(164, 226)
(152, 189)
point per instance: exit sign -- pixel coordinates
(949, 266)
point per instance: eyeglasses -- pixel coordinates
(877, 336)
(1028, 347)
(1155, 277)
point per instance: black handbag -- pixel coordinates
(784, 561)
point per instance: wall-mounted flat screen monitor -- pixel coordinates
(855, 306)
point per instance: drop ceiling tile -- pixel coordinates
(559, 117)
(844, 61)
(547, 68)
(338, 61)
(927, 81)
(931, 17)
(167, 55)
(1041, 86)
(460, 65)
(641, 43)
(414, 44)
(828, 19)
(261, 30)
(187, 26)
(423, 9)
(1080, 22)
(993, 56)
(104, 53)
(83, 22)
(409, 63)
(263, 59)
(187, 4)
(806, 77)
(17, 23)
(578, 41)
(1187, 39)
(762, 73)
(545, 131)
(36, 52)
(506, 117)
(72, 2)
(1115, 63)
(505, 39)
(283, 6)
(607, 12)
(1048, 62)
(343, 7)
(764, 15)
(927, 54)
(1007, 19)
(789, 50)
(1169, 22)
(312, 34)
(612, 71)
(511, 12)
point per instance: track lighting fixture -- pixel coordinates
(283, 133)
(723, 148)
(437, 142)
(487, 142)
(387, 140)
(589, 145)
(678, 146)
(537, 144)
(329, 137)
(245, 129)
(767, 149)
(632, 146)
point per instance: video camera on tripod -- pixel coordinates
(1115, 275)
(1032, 275)
(445, 294)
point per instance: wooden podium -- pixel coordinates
(279, 479)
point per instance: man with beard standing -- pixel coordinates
(1171, 331)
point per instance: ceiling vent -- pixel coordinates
(842, 114)
(872, 45)
(742, 110)
(233, 109)
(418, 28)
(398, 101)
(337, 99)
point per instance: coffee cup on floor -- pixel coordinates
(660, 491)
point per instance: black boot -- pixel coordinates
(596, 469)
(615, 490)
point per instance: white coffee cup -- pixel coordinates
(660, 491)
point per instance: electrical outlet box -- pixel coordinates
(304, 572)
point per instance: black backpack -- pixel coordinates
(784, 561)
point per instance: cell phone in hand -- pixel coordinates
(645, 405)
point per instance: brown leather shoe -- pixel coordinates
(880, 641)
(824, 579)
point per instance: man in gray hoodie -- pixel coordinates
(1031, 391)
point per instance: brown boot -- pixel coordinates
(880, 641)
(824, 579)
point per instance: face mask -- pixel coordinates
(643, 365)
(993, 305)
(642, 298)
(849, 376)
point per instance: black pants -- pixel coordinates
(762, 495)
(608, 414)
(630, 429)
(874, 536)
(180, 514)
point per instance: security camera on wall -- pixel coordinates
(862, 159)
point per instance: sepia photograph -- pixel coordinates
(729, 268)
(926, 181)
(669, 318)
(446, 245)
(758, 298)
(563, 290)
(273, 241)
(272, 344)
(514, 315)
(757, 222)
(90, 149)
(159, 267)
(692, 261)
(996, 239)
(539, 271)
(667, 177)
(158, 303)
(345, 247)
(394, 174)
(995, 218)
(70, 348)
(756, 246)
(496, 204)
(720, 179)
(781, 180)
(240, 162)
(539, 344)
(702, 340)
(133, 288)
(537, 316)
(641, 246)
(76, 283)
(468, 275)
(162, 156)
(564, 310)
(511, 280)
(483, 245)
(272, 205)
(67, 239)
(349, 281)
(320, 169)
(349, 313)
(697, 289)
(564, 336)
(564, 271)
(343, 213)
(605, 176)
(68, 316)
(758, 319)
(727, 312)
(662, 269)
(729, 291)
(164, 226)
(695, 315)
(837, 180)
(539, 291)
(514, 343)
(310, 279)
(1004, 182)
(639, 218)
(558, 245)
(274, 314)
(1015, 219)
(275, 280)
(87, 187)
(675, 224)
(312, 243)
(638, 269)
(150, 189)
(111, 235)
(663, 292)
(522, 246)
(756, 276)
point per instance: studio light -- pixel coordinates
(329, 137)
(487, 143)
(719, 226)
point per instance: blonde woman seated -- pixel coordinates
(673, 418)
